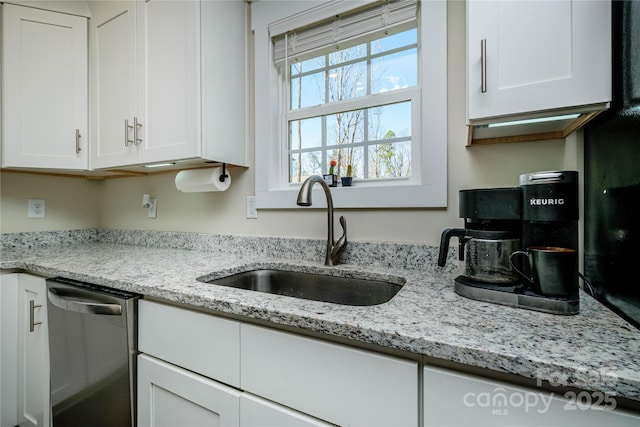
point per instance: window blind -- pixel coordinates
(342, 30)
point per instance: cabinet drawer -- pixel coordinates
(258, 412)
(457, 399)
(336, 383)
(196, 341)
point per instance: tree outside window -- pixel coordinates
(374, 138)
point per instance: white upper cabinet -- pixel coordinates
(530, 57)
(113, 75)
(168, 76)
(44, 89)
(169, 82)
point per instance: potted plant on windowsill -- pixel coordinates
(346, 180)
(331, 178)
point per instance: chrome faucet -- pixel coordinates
(334, 249)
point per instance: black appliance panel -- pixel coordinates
(612, 176)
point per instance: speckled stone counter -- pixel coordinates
(594, 350)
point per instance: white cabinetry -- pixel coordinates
(340, 384)
(197, 341)
(8, 349)
(169, 82)
(24, 351)
(113, 72)
(44, 89)
(33, 352)
(285, 377)
(257, 412)
(531, 58)
(171, 396)
(539, 55)
(456, 399)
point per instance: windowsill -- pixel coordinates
(355, 197)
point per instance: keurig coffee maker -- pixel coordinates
(499, 222)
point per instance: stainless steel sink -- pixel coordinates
(312, 286)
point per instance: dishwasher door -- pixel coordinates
(93, 349)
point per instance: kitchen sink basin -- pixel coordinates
(313, 286)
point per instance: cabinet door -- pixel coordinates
(171, 396)
(456, 399)
(44, 89)
(539, 55)
(340, 384)
(113, 71)
(256, 412)
(224, 106)
(33, 353)
(168, 54)
(8, 350)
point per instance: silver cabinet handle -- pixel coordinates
(127, 127)
(86, 307)
(32, 308)
(78, 149)
(483, 65)
(136, 128)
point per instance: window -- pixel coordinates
(344, 105)
(362, 85)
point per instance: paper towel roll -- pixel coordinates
(200, 180)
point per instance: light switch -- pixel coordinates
(252, 212)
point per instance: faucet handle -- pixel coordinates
(341, 244)
(343, 224)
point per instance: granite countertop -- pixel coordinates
(594, 350)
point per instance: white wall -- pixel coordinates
(119, 202)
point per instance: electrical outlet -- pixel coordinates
(37, 209)
(252, 212)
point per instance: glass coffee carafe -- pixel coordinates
(486, 254)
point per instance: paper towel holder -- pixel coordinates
(223, 175)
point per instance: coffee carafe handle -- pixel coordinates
(447, 234)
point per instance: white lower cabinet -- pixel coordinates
(33, 352)
(280, 379)
(285, 379)
(199, 342)
(8, 349)
(456, 399)
(334, 382)
(257, 412)
(172, 396)
(24, 351)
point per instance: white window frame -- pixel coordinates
(427, 186)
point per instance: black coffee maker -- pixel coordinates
(542, 212)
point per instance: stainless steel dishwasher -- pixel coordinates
(93, 347)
